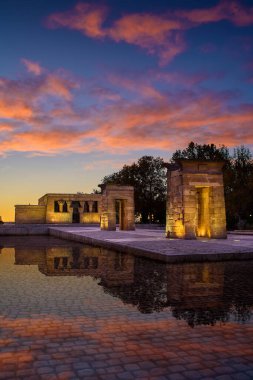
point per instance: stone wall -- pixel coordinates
(87, 208)
(30, 214)
(90, 217)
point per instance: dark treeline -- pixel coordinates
(148, 176)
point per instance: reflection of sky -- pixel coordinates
(100, 85)
(71, 320)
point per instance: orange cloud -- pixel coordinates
(16, 109)
(157, 34)
(32, 67)
(19, 98)
(45, 115)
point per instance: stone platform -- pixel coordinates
(153, 244)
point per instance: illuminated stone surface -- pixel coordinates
(124, 195)
(158, 321)
(61, 208)
(153, 244)
(195, 200)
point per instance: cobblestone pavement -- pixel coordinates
(152, 243)
(68, 328)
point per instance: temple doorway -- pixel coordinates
(120, 213)
(203, 213)
(76, 214)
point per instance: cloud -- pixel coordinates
(229, 10)
(86, 18)
(55, 113)
(32, 67)
(140, 86)
(17, 109)
(162, 35)
(5, 127)
(22, 99)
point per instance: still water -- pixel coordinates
(73, 312)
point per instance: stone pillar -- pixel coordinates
(61, 203)
(81, 208)
(90, 203)
(69, 206)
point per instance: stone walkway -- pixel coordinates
(153, 244)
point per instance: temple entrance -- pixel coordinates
(76, 214)
(117, 206)
(120, 208)
(203, 225)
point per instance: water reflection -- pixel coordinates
(199, 293)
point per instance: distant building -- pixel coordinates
(114, 205)
(61, 208)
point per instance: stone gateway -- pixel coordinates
(195, 200)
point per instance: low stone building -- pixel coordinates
(61, 208)
(195, 200)
(114, 206)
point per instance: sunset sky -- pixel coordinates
(88, 86)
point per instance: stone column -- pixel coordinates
(81, 208)
(61, 203)
(90, 203)
(69, 206)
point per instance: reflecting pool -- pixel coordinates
(70, 311)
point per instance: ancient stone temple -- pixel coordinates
(195, 200)
(117, 200)
(61, 208)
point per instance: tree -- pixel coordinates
(239, 200)
(148, 177)
(202, 152)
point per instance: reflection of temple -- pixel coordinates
(200, 293)
(195, 292)
(113, 267)
(195, 284)
(158, 285)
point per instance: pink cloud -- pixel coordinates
(156, 34)
(32, 67)
(43, 115)
(19, 99)
(161, 35)
(142, 86)
(86, 18)
(5, 127)
(229, 10)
